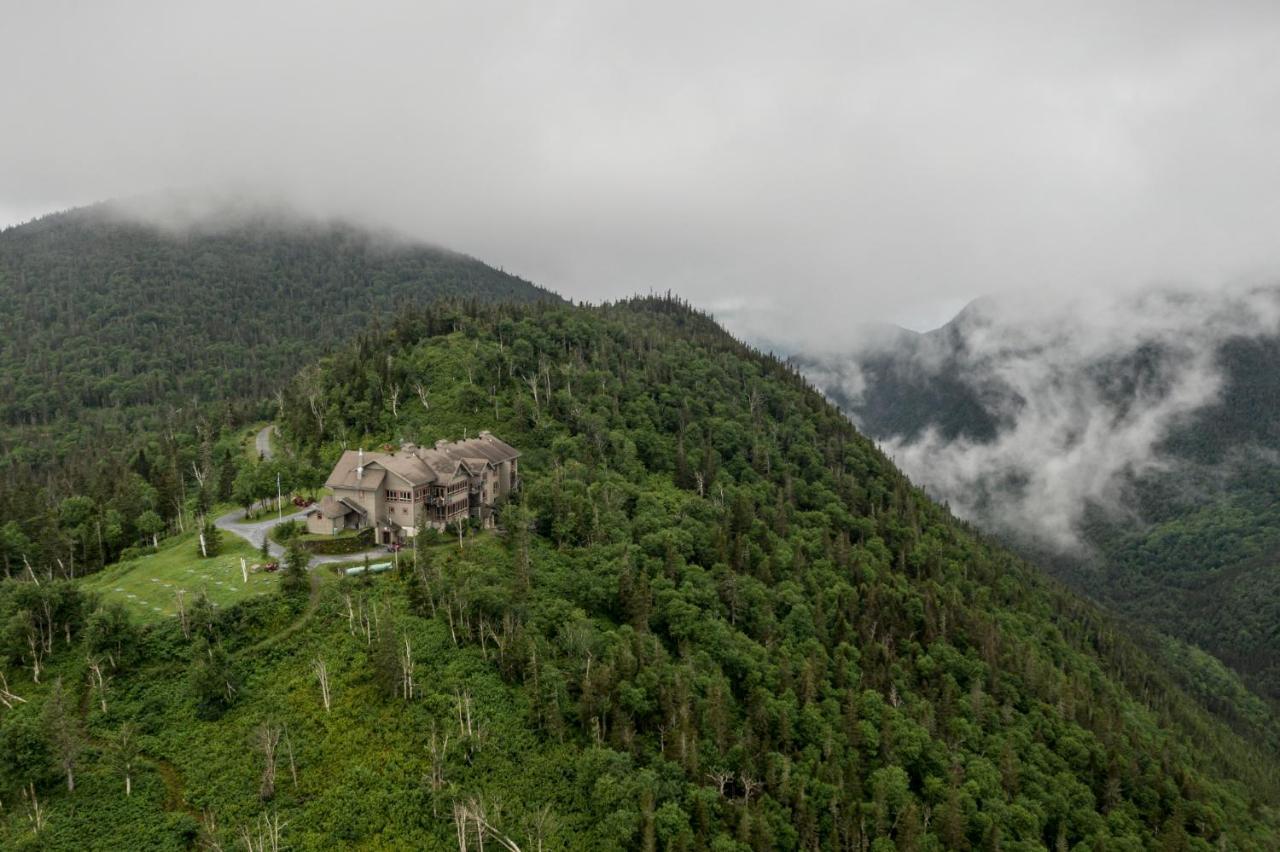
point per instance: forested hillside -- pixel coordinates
(124, 349)
(717, 617)
(1187, 539)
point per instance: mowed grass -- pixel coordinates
(149, 585)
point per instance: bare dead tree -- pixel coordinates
(721, 778)
(124, 755)
(288, 750)
(7, 698)
(268, 738)
(98, 682)
(263, 836)
(394, 393)
(35, 645)
(406, 670)
(369, 622)
(749, 787)
(426, 582)
(541, 823)
(472, 816)
(322, 675)
(35, 811)
(532, 381)
(351, 614)
(437, 750)
(182, 613)
(422, 392)
(462, 703)
(461, 820)
(209, 838)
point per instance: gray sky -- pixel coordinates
(794, 167)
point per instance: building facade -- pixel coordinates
(417, 488)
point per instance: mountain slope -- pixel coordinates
(119, 338)
(1139, 458)
(718, 618)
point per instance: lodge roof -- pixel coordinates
(421, 465)
(346, 475)
(335, 507)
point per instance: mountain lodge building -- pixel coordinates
(413, 488)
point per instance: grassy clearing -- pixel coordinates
(149, 585)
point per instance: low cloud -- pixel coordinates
(834, 163)
(1085, 393)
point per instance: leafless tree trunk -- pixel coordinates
(35, 811)
(209, 841)
(263, 836)
(533, 386)
(406, 671)
(182, 614)
(749, 787)
(322, 675)
(288, 750)
(472, 816)
(124, 753)
(7, 698)
(268, 743)
(540, 825)
(395, 401)
(98, 682)
(36, 647)
(422, 392)
(438, 749)
(463, 705)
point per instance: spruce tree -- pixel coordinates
(294, 581)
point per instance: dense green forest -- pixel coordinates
(716, 617)
(1196, 551)
(125, 350)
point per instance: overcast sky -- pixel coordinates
(793, 167)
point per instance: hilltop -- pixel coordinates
(124, 345)
(716, 617)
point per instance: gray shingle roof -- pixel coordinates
(419, 465)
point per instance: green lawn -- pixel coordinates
(149, 585)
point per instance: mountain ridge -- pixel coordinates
(1156, 531)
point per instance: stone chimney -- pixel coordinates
(440, 444)
(486, 434)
